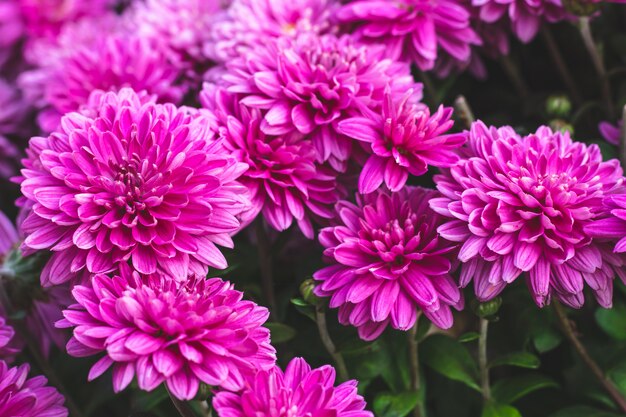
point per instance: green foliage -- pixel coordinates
(395, 405)
(451, 359)
(509, 390)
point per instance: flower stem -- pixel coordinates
(419, 410)
(570, 333)
(327, 341)
(482, 360)
(181, 406)
(623, 138)
(33, 348)
(265, 264)
(598, 63)
(561, 66)
(464, 111)
(514, 75)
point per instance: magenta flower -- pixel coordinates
(107, 63)
(299, 391)
(525, 16)
(403, 140)
(164, 331)
(414, 30)
(21, 396)
(250, 23)
(131, 181)
(283, 177)
(520, 205)
(611, 133)
(310, 83)
(182, 26)
(11, 28)
(387, 261)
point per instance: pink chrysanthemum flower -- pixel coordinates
(519, 205)
(283, 177)
(403, 140)
(414, 30)
(387, 261)
(250, 23)
(21, 396)
(134, 181)
(310, 83)
(108, 63)
(611, 133)
(183, 26)
(164, 331)
(299, 391)
(612, 224)
(525, 16)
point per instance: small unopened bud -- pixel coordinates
(488, 308)
(558, 106)
(560, 125)
(306, 289)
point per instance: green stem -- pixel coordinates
(561, 66)
(570, 334)
(598, 63)
(327, 341)
(265, 264)
(33, 348)
(181, 406)
(482, 360)
(419, 410)
(514, 75)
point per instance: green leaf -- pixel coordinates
(395, 405)
(582, 411)
(499, 410)
(618, 375)
(468, 337)
(519, 359)
(280, 333)
(451, 359)
(299, 302)
(509, 390)
(423, 326)
(613, 321)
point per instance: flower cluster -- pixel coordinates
(387, 261)
(160, 330)
(520, 205)
(131, 180)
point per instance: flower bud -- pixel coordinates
(306, 289)
(558, 106)
(488, 308)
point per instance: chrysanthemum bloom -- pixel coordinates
(612, 224)
(183, 26)
(525, 16)
(387, 261)
(45, 18)
(310, 83)
(611, 133)
(250, 23)
(414, 30)
(299, 391)
(403, 140)
(108, 63)
(21, 396)
(131, 181)
(519, 205)
(164, 331)
(284, 178)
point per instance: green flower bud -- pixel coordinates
(558, 106)
(560, 125)
(306, 289)
(581, 7)
(487, 309)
